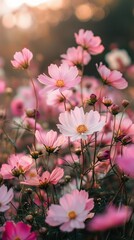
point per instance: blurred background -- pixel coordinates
(47, 28)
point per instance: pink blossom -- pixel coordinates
(22, 59)
(17, 164)
(88, 41)
(112, 217)
(50, 140)
(126, 161)
(17, 107)
(2, 86)
(112, 78)
(72, 211)
(46, 178)
(78, 125)
(76, 57)
(5, 198)
(18, 231)
(62, 78)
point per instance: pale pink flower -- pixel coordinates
(126, 161)
(22, 59)
(62, 78)
(88, 41)
(2, 86)
(112, 217)
(18, 231)
(46, 178)
(76, 57)
(112, 78)
(50, 140)
(78, 125)
(17, 164)
(5, 198)
(72, 211)
(17, 107)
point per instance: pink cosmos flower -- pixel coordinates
(50, 140)
(112, 217)
(78, 125)
(76, 57)
(126, 161)
(17, 164)
(18, 231)
(17, 107)
(2, 86)
(5, 198)
(112, 78)
(22, 59)
(46, 178)
(62, 78)
(72, 211)
(88, 41)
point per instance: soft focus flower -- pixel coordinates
(112, 217)
(50, 140)
(72, 211)
(5, 198)
(126, 161)
(76, 57)
(118, 59)
(2, 86)
(18, 231)
(89, 42)
(22, 59)
(62, 78)
(112, 78)
(78, 125)
(17, 107)
(17, 164)
(46, 178)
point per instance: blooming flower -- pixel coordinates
(126, 161)
(77, 125)
(46, 178)
(72, 211)
(62, 78)
(5, 197)
(112, 217)
(17, 164)
(50, 140)
(18, 231)
(88, 41)
(112, 78)
(76, 57)
(118, 59)
(22, 59)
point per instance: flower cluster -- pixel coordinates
(67, 164)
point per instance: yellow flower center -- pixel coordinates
(72, 215)
(60, 83)
(82, 128)
(17, 238)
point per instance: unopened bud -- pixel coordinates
(104, 155)
(114, 109)
(42, 230)
(92, 100)
(32, 113)
(67, 178)
(8, 91)
(126, 140)
(29, 218)
(125, 103)
(34, 154)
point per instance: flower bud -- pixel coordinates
(126, 140)
(107, 101)
(114, 109)
(125, 103)
(29, 218)
(92, 100)
(103, 155)
(32, 113)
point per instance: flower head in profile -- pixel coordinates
(62, 78)
(78, 125)
(18, 231)
(112, 217)
(5, 198)
(72, 211)
(50, 140)
(22, 59)
(76, 57)
(126, 161)
(112, 78)
(89, 42)
(46, 178)
(17, 164)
